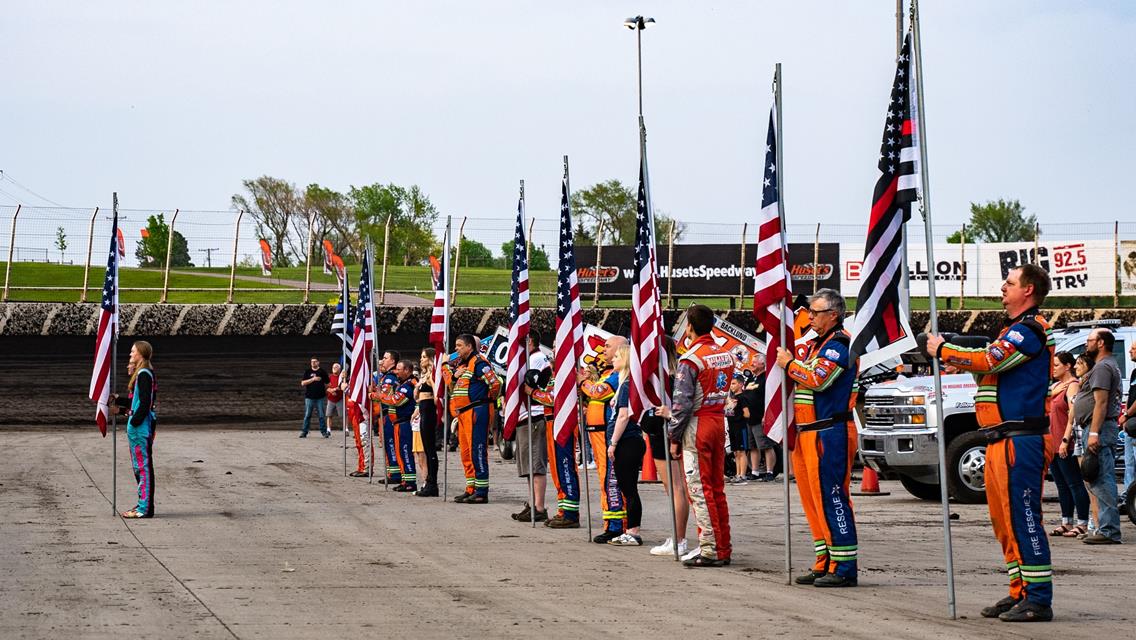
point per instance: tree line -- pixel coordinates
(282, 213)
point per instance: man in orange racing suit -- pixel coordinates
(561, 444)
(387, 382)
(697, 431)
(1012, 403)
(599, 394)
(473, 390)
(826, 440)
(399, 401)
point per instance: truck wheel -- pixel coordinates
(920, 490)
(966, 461)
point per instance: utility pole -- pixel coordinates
(209, 255)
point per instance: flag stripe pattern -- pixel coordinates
(339, 320)
(648, 367)
(364, 339)
(517, 356)
(569, 330)
(882, 329)
(772, 286)
(108, 331)
(437, 337)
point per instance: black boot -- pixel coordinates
(429, 490)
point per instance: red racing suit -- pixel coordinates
(698, 422)
(1012, 402)
(825, 394)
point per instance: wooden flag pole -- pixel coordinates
(920, 122)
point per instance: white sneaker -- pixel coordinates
(592, 464)
(626, 540)
(665, 549)
(697, 551)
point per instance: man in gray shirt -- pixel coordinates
(1100, 438)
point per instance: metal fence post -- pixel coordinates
(962, 260)
(599, 252)
(11, 246)
(816, 258)
(670, 263)
(741, 275)
(457, 261)
(87, 264)
(169, 254)
(308, 268)
(1116, 266)
(233, 269)
(386, 260)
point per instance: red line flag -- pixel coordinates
(569, 329)
(881, 329)
(772, 289)
(364, 337)
(648, 365)
(107, 334)
(517, 358)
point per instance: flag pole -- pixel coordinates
(921, 132)
(343, 369)
(581, 416)
(781, 323)
(113, 366)
(374, 361)
(444, 357)
(528, 398)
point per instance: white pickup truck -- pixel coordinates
(899, 426)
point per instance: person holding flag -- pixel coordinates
(385, 384)
(826, 442)
(399, 402)
(598, 394)
(362, 343)
(141, 408)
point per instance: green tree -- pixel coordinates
(998, 221)
(61, 242)
(475, 254)
(538, 257)
(151, 249)
(410, 212)
(615, 206)
(275, 206)
(334, 220)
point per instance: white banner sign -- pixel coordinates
(1077, 268)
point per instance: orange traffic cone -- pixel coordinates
(870, 484)
(648, 473)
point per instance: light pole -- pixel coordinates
(638, 24)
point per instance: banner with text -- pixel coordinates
(705, 269)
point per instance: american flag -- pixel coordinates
(108, 333)
(339, 320)
(364, 339)
(881, 329)
(437, 338)
(648, 366)
(569, 328)
(772, 288)
(517, 358)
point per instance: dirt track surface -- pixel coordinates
(259, 535)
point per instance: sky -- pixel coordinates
(174, 104)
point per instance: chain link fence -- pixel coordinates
(224, 249)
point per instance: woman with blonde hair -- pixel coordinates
(140, 406)
(625, 447)
(425, 439)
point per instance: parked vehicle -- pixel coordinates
(899, 426)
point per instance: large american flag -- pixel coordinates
(108, 333)
(569, 328)
(340, 319)
(364, 339)
(437, 337)
(517, 358)
(881, 329)
(772, 288)
(648, 365)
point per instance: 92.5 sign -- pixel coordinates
(1069, 258)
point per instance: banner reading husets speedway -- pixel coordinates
(704, 269)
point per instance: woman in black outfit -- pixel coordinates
(428, 421)
(627, 448)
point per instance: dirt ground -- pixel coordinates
(259, 535)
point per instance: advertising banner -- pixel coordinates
(1128, 268)
(1077, 268)
(705, 269)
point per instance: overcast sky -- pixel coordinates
(173, 104)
